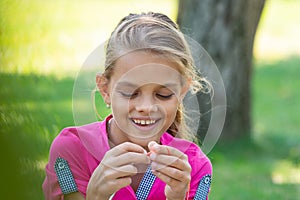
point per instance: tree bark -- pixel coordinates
(226, 29)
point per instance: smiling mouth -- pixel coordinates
(143, 122)
(145, 128)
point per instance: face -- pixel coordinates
(144, 91)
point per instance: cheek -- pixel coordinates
(171, 109)
(119, 103)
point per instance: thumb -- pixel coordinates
(151, 145)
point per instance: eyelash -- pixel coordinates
(132, 95)
(128, 95)
(165, 96)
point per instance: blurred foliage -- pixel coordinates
(278, 33)
(56, 36)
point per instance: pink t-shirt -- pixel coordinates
(82, 149)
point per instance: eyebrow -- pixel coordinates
(125, 83)
(129, 84)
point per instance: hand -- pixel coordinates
(172, 167)
(115, 170)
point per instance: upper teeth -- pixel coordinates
(143, 122)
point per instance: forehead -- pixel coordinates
(142, 68)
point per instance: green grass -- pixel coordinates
(35, 108)
(244, 171)
(265, 167)
(276, 101)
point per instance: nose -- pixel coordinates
(146, 104)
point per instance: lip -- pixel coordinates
(144, 127)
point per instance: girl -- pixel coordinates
(137, 152)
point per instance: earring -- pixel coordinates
(108, 106)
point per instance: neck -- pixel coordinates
(114, 136)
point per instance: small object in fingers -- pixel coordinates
(150, 152)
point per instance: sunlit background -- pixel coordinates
(44, 44)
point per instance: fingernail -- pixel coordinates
(150, 144)
(155, 148)
(145, 152)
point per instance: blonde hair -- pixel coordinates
(157, 33)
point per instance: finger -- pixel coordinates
(119, 172)
(151, 144)
(119, 183)
(128, 158)
(127, 147)
(131, 158)
(126, 170)
(172, 161)
(163, 159)
(166, 179)
(125, 153)
(107, 180)
(163, 149)
(179, 175)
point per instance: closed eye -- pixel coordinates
(165, 97)
(128, 95)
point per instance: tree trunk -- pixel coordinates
(226, 29)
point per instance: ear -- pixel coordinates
(103, 87)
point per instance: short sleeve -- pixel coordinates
(67, 170)
(203, 188)
(201, 174)
(64, 176)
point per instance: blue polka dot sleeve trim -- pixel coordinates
(145, 185)
(64, 176)
(203, 188)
